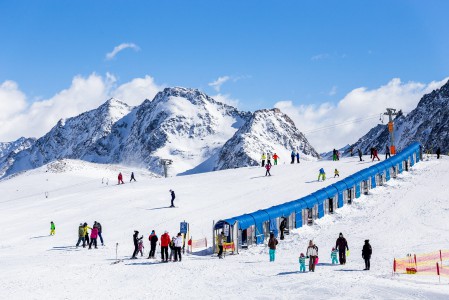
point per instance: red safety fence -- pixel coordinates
(434, 263)
(197, 244)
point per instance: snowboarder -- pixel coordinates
(178, 245)
(165, 240)
(293, 155)
(334, 255)
(438, 155)
(267, 167)
(132, 177)
(93, 237)
(322, 174)
(136, 243)
(81, 235)
(312, 254)
(220, 239)
(263, 159)
(272, 242)
(52, 228)
(120, 178)
(172, 193)
(359, 152)
(275, 159)
(302, 263)
(297, 157)
(140, 247)
(336, 173)
(100, 229)
(282, 227)
(387, 152)
(375, 154)
(366, 254)
(342, 246)
(153, 241)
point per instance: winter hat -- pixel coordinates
(366, 241)
(302, 255)
(341, 234)
(81, 224)
(333, 249)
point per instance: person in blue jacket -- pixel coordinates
(322, 174)
(293, 155)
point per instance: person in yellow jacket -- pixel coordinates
(86, 233)
(264, 157)
(52, 228)
(336, 173)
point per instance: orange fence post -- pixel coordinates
(394, 265)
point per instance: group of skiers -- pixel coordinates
(120, 178)
(267, 157)
(95, 232)
(175, 244)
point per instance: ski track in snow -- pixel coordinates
(407, 215)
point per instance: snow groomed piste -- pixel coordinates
(253, 228)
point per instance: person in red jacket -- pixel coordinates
(120, 178)
(165, 241)
(275, 158)
(375, 154)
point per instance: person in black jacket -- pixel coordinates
(136, 243)
(282, 227)
(153, 241)
(438, 152)
(172, 193)
(359, 152)
(366, 254)
(342, 246)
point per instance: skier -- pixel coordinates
(387, 152)
(93, 237)
(336, 173)
(282, 227)
(268, 158)
(272, 242)
(267, 167)
(302, 263)
(322, 174)
(371, 152)
(351, 152)
(172, 247)
(81, 235)
(375, 154)
(366, 254)
(297, 157)
(359, 152)
(86, 233)
(100, 229)
(153, 241)
(172, 193)
(220, 239)
(338, 154)
(140, 247)
(263, 159)
(438, 155)
(178, 245)
(165, 240)
(342, 246)
(334, 255)
(275, 159)
(334, 155)
(136, 243)
(52, 228)
(132, 177)
(120, 178)
(293, 157)
(312, 254)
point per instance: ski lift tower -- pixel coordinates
(166, 162)
(390, 113)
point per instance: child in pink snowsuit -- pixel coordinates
(267, 167)
(140, 245)
(93, 237)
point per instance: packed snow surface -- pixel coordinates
(407, 215)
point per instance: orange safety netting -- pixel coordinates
(434, 263)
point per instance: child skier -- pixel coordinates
(140, 247)
(322, 174)
(336, 173)
(267, 167)
(52, 228)
(302, 263)
(334, 255)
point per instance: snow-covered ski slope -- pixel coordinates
(407, 215)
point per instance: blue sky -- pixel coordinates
(306, 52)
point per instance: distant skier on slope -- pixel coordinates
(359, 152)
(132, 177)
(93, 237)
(297, 157)
(375, 154)
(438, 152)
(52, 228)
(263, 159)
(342, 246)
(293, 155)
(172, 193)
(153, 241)
(322, 175)
(120, 178)
(268, 158)
(275, 159)
(336, 173)
(387, 152)
(366, 254)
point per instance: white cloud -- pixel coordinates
(359, 104)
(17, 118)
(320, 56)
(218, 83)
(119, 48)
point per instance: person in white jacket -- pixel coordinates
(312, 253)
(178, 246)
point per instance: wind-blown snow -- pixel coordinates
(408, 215)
